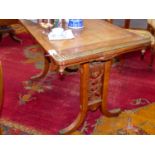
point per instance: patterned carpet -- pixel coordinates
(44, 108)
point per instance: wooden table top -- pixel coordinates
(98, 39)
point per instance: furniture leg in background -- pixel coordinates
(8, 29)
(1, 37)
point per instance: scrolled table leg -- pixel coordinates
(45, 70)
(84, 77)
(104, 104)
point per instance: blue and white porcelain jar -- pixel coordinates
(75, 23)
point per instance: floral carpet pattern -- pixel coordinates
(43, 108)
(34, 55)
(132, 122)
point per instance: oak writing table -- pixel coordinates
(93, 48)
